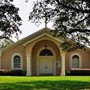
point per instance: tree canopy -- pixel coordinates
(5, 43)
(9, 19)
(71, 20)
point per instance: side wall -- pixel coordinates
(7, 56)
(85, 55)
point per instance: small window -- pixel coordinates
(46, 52)
(17, 61)
(75, 61)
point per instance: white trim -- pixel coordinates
(80, 59)
(54, 58)
(40, 37)
(21, 62)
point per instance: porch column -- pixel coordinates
(62, 64)
(28, 65)
(0, 58)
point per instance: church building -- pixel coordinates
(40, 54)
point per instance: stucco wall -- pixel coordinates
(33, 48)
(7, 56)
(85, 55)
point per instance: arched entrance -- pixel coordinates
(46, 62)
(45, 51)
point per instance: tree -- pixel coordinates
(9, 19)
(5, 43)
(71, 20)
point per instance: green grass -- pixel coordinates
(45, 83)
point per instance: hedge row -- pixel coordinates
(12, 72)
(78, 73)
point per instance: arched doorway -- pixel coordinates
(36, 57)
(46, 63)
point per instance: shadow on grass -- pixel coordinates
(46, 85)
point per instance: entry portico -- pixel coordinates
(44, 56)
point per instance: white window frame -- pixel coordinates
(80, 59)
(21, 61)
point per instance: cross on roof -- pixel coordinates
(46, 20)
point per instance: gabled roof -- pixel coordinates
(30, 37)
(44, 34)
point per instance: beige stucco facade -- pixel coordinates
(33, 63)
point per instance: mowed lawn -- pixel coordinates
(45, 83)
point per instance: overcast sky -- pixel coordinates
(27, 27)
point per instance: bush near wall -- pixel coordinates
(6, 72)
(78, 72)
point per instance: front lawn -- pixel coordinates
(45, 83)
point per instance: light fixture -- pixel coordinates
(46, 53)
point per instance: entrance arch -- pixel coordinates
(40, 46)
(46, 62)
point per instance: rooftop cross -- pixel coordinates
(46, 20)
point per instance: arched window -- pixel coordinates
(75, 61)
(46, 52)
(17, 61)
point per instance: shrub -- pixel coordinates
(18, 73)
(78, 72)
(6, 72)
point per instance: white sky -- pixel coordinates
(27, 27)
